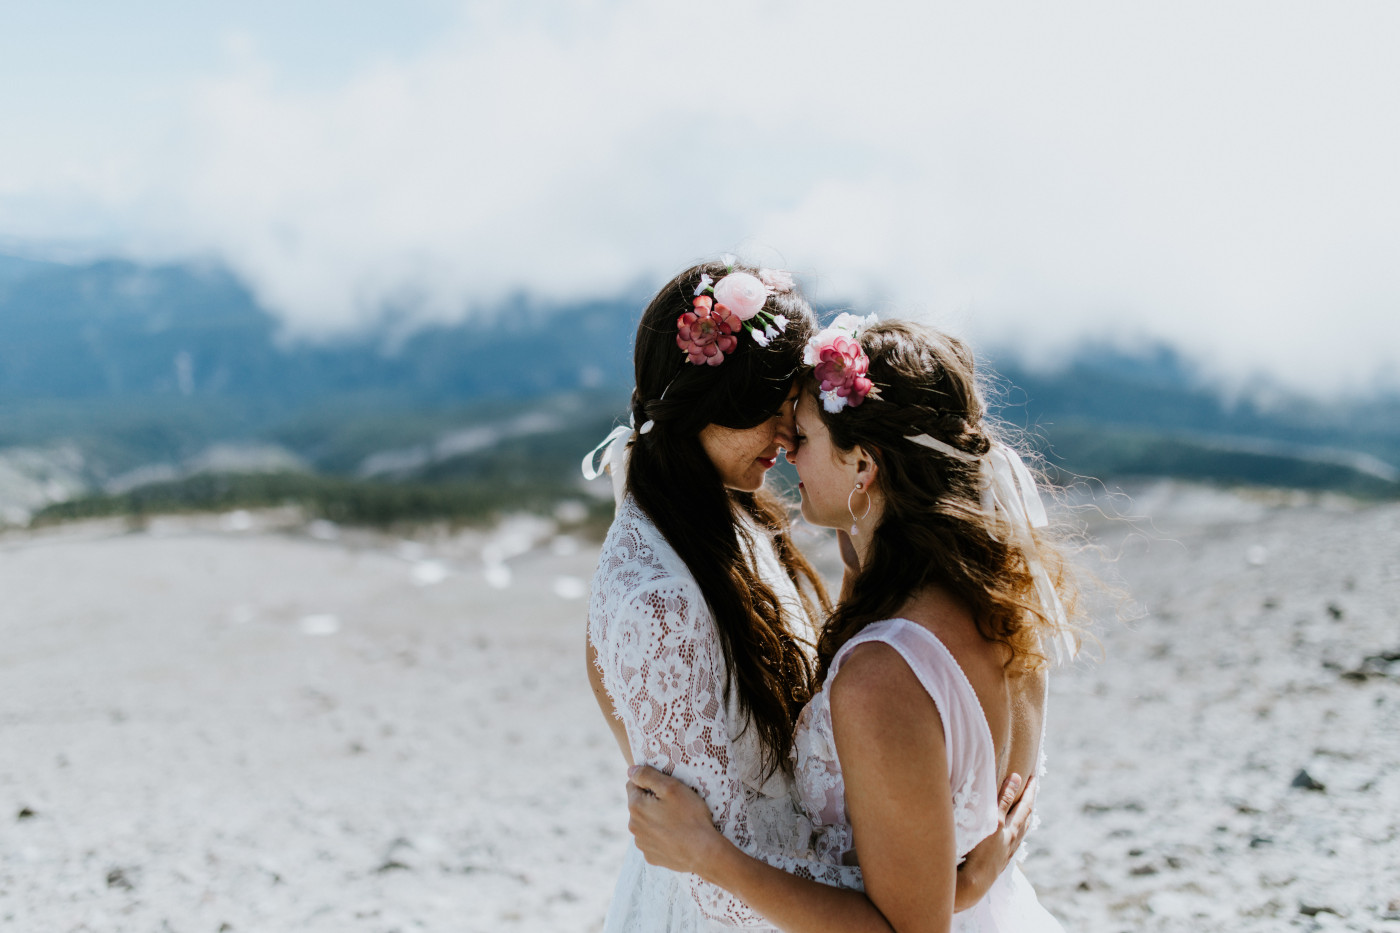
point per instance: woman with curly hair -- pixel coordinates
(699, 628)
(932, 668)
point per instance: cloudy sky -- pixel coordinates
(1220, 175)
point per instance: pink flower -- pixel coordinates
(840, 367)
(706, 334)
(742, 294)
(777, 280)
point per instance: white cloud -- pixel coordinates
(1218, 176)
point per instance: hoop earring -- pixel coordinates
(860, 487)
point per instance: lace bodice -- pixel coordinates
(971, 756)
(662, 664)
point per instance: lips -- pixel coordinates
(768, 462)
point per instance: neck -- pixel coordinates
(865, 526)
(863, 545)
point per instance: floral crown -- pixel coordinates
(839, 362)
(721, 309)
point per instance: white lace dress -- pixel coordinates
(1010, 906)
(663, 667)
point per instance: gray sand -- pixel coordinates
(246, 723)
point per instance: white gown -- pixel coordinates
(1010, 906)
(663, 667)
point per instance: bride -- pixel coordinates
(701, 606)
(932, 667)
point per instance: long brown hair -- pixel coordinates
(674, 482)
(933, 529)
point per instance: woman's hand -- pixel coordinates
(671, 823)
(985, 863)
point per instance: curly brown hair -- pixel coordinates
(933, 530)
(678, 487)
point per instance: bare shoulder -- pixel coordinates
(876, 685)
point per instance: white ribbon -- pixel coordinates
(614, 459)
(1009, 489)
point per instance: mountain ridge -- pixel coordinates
(150, 367)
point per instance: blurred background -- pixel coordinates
(309, 311)
(342, 247)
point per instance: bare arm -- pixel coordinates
(600, 693)
(673, 829)
(889, 738)
(663, 671)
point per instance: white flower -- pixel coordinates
(759, 337)
(770, 331)
(728, 260)
(853, 324)
(780, 322)
(705, 282)
(833, 402)
(777, 280)
(742, 294)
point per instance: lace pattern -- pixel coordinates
(663, 667)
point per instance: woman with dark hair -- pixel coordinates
(932, 668)
(701, 607)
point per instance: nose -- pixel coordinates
(787, 428)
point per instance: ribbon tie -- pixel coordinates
(614, 459)
(1009, 492)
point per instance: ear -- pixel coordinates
(867, 470)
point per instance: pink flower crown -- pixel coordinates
(721, 309)
(839, 362)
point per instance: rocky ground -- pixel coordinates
(255, 723)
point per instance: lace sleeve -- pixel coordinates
(663, 667)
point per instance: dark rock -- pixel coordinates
(1132, 806)
(1312, 910)
(121, 878)
(25, 814)
(1256, 842)
(392, 865)
(1335, 611)
(1306, 781)
(1143, 870)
